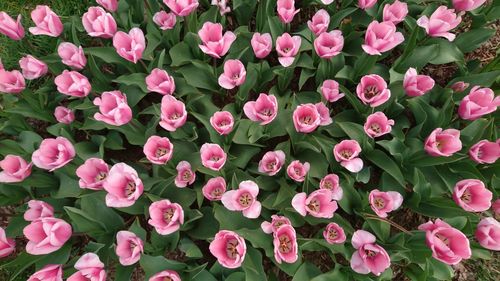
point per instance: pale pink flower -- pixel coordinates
(417, 84)
(113, 108)
(212, 156)
(53, 154)
(222, 122)
(185, 175)
(158, 150)
(262, 44)
(263, 110)
(123, 185)
(46, 21)
(214, 43)
(166, 217)
(92, 173)
(234, 74)
(334, 234)
(381, 37)
(369, 256)
(272, 162)
(377, 124)
(472, 195)
(14, 169)
(319, 204)
(131, 45)
(372, 90)
(243, 199)
(165, 20)
(32, 67)
(287, 47)
(214, 188)
(129, 247)
(297, 171)
(285, 244)
(443, 142)
(229, 248)
(173, 113)
(346, 153)
(440, 23)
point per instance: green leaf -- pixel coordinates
(252, 265)
(137, 79)
(180, 54)
(83, 222)
(153, 265)
(380, 159)
(472, 39)
(306, 272)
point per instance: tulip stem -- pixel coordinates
(372, 217)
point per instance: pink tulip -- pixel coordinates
(417, 85)
(448, 244)
(212, 156)
(479, 102)
(92, 174)
(222, 5)
(161, 82)
(222, 122)
(98, 23)
(467, 5)
(381, 37)
(262, 44)
(285, 244)
(7, 245)
(395, 12)
(10, 27)
(384, 202)
(46, 235)
(331, 182)
(182, 8)
(90, 268)
(38, 209)
(173, 113)
(165, 275)
(263, 110)
(214, 188)
(166, 217)
(372, 90)
(330, 91)
(214, 43)
(229, 248)
(488, 234)
(129, 247)
(113, 108)
(366, 4)
(14, 169)
(369, 256)
(50, 272)
(234, 74)
(329, 44)
(440, 23)
(11, 82)
(243, 199)
(334, 234)
(346, 153)
(319, 22)
(32, 67)
(73, 84)
(286, 10)
(459, 86)
(272, 162)
(298, 171)
(472, 195)
(64, 115)
(158, 150)
(377, 124)
(165, 20)
(485, 152)
(327, 2)
(53, 154)
(306, 118)
(324, 114)
(185, 175)
(275, 224)
(110, 5)
(318, 204)
(130, 46)
(123, 185)
(46, 21)
(287, 48)
(443, 143)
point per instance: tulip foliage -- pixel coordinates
(250, 140)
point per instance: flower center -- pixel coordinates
(236, 76)
(285, 244)
(168, 215)
(379, 203)
(371, 91)
(444, 239)
(286, 50)
(167, 279)
(217, 192)
(307, 120)
(245, 199)
(314, 206)
(466, 197)
(370, 253)
(161, 151)
(101, 176)
(266, 112)
(328, 185)
(215, 158)
(346, 153)
(271, 165)
(375, 127)
(231, 248)
(130, 188)
(186, 175)
(332, 234)
(175, 116)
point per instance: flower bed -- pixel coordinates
(250, 140)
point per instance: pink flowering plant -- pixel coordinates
(250, 140)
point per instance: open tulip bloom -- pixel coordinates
(170, 140)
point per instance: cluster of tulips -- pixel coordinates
(46, 233)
